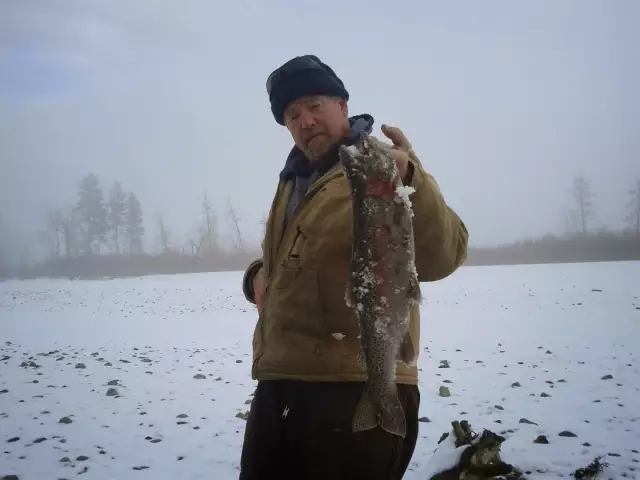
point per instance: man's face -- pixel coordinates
(317, 123)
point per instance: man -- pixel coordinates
(305, 343)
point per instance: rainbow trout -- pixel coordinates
(384, 284)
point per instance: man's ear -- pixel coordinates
(344, 106)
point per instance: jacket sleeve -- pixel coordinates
(441, 237)
(247, 280)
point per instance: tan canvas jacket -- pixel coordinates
(305, 329)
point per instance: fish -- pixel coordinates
(383, 284)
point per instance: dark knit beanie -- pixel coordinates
(301, 76)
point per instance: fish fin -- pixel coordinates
(366, 414)
(406, 352)
(392, 418)
(349, 296)
(414, 293)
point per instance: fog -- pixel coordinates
(504, 102)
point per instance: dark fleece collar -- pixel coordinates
(298, 165)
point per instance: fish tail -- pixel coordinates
(389, 415)
(392, 418)
(366, 415)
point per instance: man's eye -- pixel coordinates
(315, 106)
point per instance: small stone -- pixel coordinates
(65, 420)
(40, 440)
(182, 423)
(444, 364)
(199, 376)
(444, 392)
(424, 420)
(142, 467)
(567, 433)
(65, 460)
(243, 416)
(516, 384)
(80, 365)
(541, 439)
(545, 395)
(527, 421)
(112, 382)
(82, 458)
(156, 440)
(182, 415)
(112, 392)
(180, 457)
(498, 407)
(13, 439)
(607, 377)
(586, 444)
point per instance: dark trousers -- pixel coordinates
(302, 430)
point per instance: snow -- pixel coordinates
(445, 455)
(402, 195)
(535, 325)
(352, 150)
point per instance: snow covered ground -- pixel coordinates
(530, 350)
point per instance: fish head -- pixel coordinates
(368, 162)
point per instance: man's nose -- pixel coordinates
(307, 120)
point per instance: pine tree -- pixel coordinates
(92, 214)
(133, 225)
(117, 214)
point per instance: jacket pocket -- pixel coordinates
(294, 303)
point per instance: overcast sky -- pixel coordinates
(505, 102)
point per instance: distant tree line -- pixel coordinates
(95, 223)
(104, 236)
(582, 240)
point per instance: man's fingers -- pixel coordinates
(397, 137)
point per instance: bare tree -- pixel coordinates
(208, 232)
(236, 238)
(69, 224)
(52, 234)
(583, 198)
(164, 236)
(633, 208)
(263, 222)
